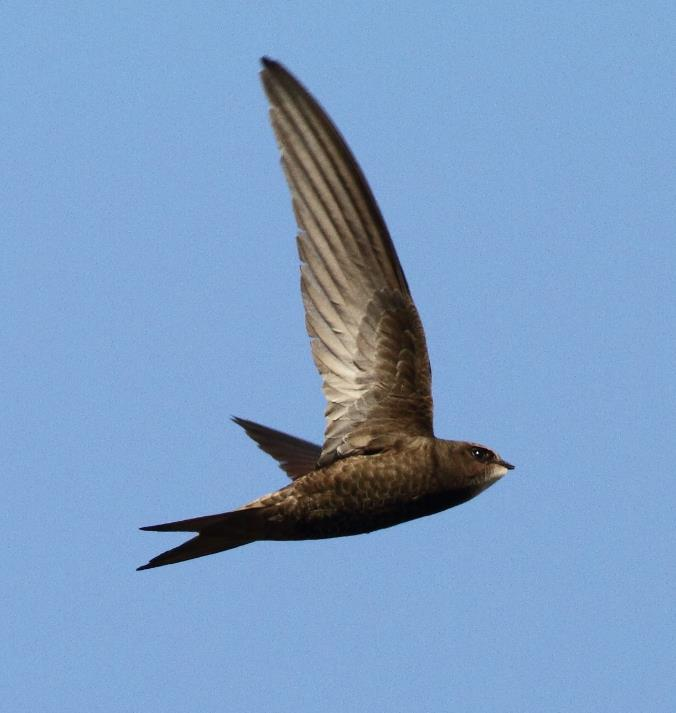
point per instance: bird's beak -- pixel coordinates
(505, 464)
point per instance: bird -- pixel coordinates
(380, 463)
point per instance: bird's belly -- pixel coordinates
(343, 519)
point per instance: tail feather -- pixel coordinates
(217, 533)
(199, 546)
(194, 524)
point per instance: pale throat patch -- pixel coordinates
(495, 471)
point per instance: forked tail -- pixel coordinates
(216, 534)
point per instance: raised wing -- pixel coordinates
(367, 339)
(295, 456)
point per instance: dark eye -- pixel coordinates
(481, 454)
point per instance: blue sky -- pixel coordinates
(523, 155)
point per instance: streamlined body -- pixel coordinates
(380, 463)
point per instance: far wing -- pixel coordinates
(367, 339)
(295, 456)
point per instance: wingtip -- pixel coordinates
(268, 62)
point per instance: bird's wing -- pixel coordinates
(367, 339)
(295, 456)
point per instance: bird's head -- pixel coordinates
(475, 464)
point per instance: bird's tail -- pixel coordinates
(216, 534)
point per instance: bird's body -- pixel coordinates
(380, 464)
(363, 493)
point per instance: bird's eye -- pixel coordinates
(481, 454)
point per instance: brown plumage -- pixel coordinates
(380, 463)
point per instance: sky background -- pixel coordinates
(523, 155)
